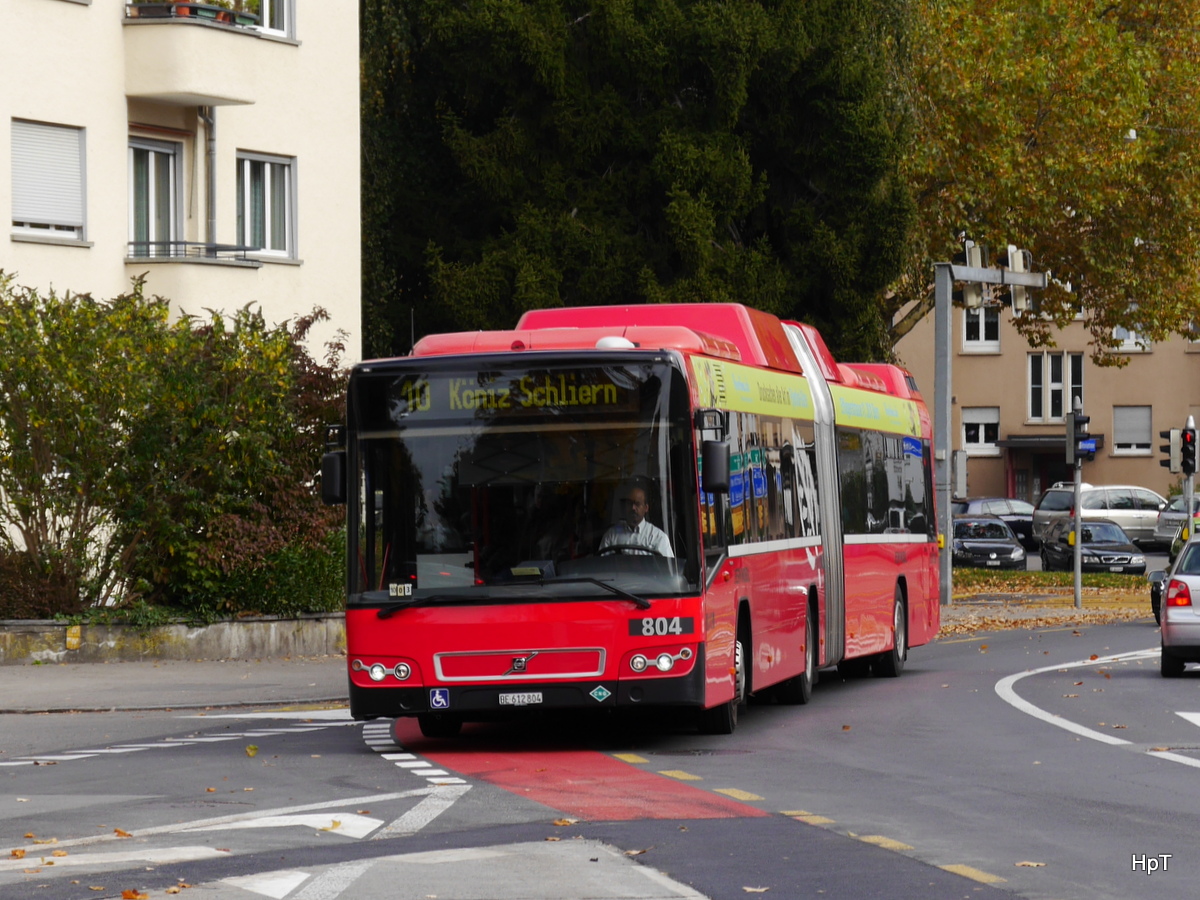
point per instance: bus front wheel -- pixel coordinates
(723, 718)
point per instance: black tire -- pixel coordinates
(1156, 607)
(890, 663)
(439, 725)
(723, 718)
(1171, 666)
(797, 690)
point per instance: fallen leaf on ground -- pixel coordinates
(210, 790)
(637, 852)
(845, 728)
(18, 854)
(120, 832)
(1032, 865)
(565, 821)
(47, 841)
(252, 751)
(333, 826)
(750, 890)
(554, 839)
(134, 895)
(59, 853)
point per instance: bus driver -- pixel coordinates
(634, 530)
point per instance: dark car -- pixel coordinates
(1017, 514)
(987, 543)
(1105, 548)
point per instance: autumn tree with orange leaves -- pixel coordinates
(1069, 128)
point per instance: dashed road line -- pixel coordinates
(378, 737)
(974, 874)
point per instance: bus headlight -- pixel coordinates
(377, 671)
(639, 663)
(402, 671)
(665, 662)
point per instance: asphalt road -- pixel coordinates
(1040, 764)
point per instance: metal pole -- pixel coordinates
(1075, 526)
(943, 285)
(1188, 485)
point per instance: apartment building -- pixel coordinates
(214, 150)
(1009, 400)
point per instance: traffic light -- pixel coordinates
(1173, 449)
(1017, 260)
(1187, 450)
(1080, 445)
(975, 256)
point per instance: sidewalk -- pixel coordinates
(171, 684)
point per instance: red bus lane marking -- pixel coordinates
(585, 784)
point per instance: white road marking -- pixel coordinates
(344, 823)
(276, 885)
(332, 715)
(1194, 718)
(440, 800)
(181, 827)
(330, 884)
(1004, 688)
(162, 855)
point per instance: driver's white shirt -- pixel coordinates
(644, 534)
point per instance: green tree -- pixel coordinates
(1024, 113)
(163, 459)
(529, 154)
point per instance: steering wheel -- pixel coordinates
(621, 548)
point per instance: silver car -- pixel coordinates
(1171, 518)
(1179, 618)
(1134, 508)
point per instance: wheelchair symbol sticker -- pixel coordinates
(439, 698)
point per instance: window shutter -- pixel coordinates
(1131, 424)
(47, 172)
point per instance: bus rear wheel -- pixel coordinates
(890, 663)
(723, 718)
(798, 689)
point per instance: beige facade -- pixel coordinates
(1009, 399)
(217, 156)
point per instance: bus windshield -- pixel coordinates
(554, 481)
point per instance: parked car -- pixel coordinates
(1105, 547)
(1134, 508)
(987, 543)
(1171, 517)
(1017, 514)
(1180, 619)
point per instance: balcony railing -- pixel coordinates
(199, 11)
(188, 250)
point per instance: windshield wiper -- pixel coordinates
(640, 602)
(386, 612)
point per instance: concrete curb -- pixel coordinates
(35, 641)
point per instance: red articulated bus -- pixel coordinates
(611, 508)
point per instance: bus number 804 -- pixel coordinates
(661, 626)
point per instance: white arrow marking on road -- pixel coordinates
(179, 827)
(276, 885)
(1004, 688)
(348, 824)
(162, 855)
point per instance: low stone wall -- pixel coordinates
(23, 642)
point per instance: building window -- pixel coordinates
(981, 330)
(1055, 381)
(1131, 340)
(277, 17)
(981, 430)
(266, 205)
(153, 197)
(1131, 430)
(47, 180)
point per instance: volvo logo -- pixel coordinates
(519, 663)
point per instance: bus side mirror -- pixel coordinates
(333, 477)
(714, 461)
